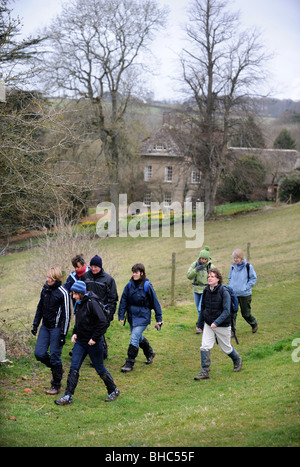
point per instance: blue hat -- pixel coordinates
(79, 287)
(96, 261)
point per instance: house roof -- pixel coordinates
(278, 162)
(162, 143)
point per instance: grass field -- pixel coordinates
(161, 405)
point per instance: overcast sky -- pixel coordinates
(279, 21)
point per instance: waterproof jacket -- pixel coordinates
(73, 277)
(104, 286)
(199, 278)
(138, 303)
(53, 308)
(238, 279)
(90, 320)
(215, 307)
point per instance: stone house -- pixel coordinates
(169, 175)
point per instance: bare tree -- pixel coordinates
(222, 68)
(93, 54)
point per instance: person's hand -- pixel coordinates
(34, 330)
(213, 325)
(91, 342)
(200, 267)
(73, 338)
(121, 321)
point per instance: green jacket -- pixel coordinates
(199, 278)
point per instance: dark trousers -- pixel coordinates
(48, 338)
(245, 305)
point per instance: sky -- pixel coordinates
(278, 21)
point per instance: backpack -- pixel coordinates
(146, 285)
(248, 269)
(234, 306)
(104, 308)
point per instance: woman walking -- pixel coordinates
(53, 310)
(137, 301)
(215, 315)
(242, 278)
(90, 326)
(197, 272)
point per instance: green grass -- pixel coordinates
(161, 404)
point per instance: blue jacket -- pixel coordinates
(238, 279)
(139, 304)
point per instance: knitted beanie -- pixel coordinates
(205, 253)
(79, 287)
(96, 261)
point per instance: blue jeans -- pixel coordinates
(137, 335)
(198, 301)
(48, 337)
(95, 352)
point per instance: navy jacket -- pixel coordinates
(139, 304)
(53, 308)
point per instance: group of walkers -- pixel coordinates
(216, 321)
(94, 297)
(94, 300)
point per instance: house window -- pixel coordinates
(167, 199)
(147, 198)
(148, 173)
(196, 176)
(168, 174)
(160, 147)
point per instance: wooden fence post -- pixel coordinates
(173, 279)
(248, 251)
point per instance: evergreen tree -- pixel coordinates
(284, 140)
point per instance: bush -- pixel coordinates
(289, 189)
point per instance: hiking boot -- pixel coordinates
(64, 400)
(113, 395)
(205, 364)
(204, 374)
(236, 358)
(150, 358)
(148, 351)
(53, 391)
(126, 368)
(132, 353)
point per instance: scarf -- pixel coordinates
(81, 271)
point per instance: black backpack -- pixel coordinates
(104, 308)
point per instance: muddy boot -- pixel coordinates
(205, 364)
(57, 372)
(148, 351)
(237, 361)
(72, 381)
(112, 389)
(131, 356)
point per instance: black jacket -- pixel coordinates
(215, 306)
(90, 320)
(53, 308)
(104, 286)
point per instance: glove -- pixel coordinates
(34, 330)
(62, 340)
(200, 267)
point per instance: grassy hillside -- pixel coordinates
(161, 404)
